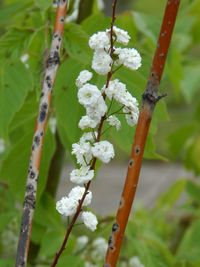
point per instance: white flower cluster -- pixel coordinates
(102, 62)
(90, 147)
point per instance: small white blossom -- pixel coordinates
(132, 116)
(2, 146)
(129, 101)
(82, 175)
(52, 125)
(83, 78)
(103, 150)
(88, 95)
(82, 152)
(24, 58)
(90, 220)
(87, 122)
(122, 36)
(100, 247)
(129, 57)
(89, 136)
(98, 111)
(101, 62)
(66, 206)
(77, 193)
(114, 121)
(135, 262)
(81, 242)
(99, 40)
(116, 90)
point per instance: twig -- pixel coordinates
(150, 98)
(93, 163)
(35, 159)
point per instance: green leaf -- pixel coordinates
(190, 243)
(15, 84)
(193, 189)
(76, 43)
(15, 165)
(43, 4)
(68, 109)
(190, 82)
(72, 260)
(7, 262)
(10, 11)
(14, 42)
(94, 23)
(172, 195)
(192, 156)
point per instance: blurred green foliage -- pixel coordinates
(167, 235)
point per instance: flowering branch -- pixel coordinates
(150, 98)
(35, 159)
(94, 160)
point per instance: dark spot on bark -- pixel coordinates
(29, 201)
(32, 174)
(30, 187)
(43, 112)
(37, 140)
(54, 59)
(137, 150)
(131, 162)
(115, 227)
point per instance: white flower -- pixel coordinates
(103, 150)
(66, 206)
(122, 36)
(101, 62)
(115, 90)
(83, 78)
(82, 175)
(77, 193)
(132, 116)
(114, 121)
(2, 145)
(135, 262)
(89, 136)
(82, 152)
(87, 122)
(81, 242)
(88, 95)
(24, 58)
(52, 125)
(100, 247)
(129, 57)
(129, 101)
(90, 220)
(97, 111)
(99, 40)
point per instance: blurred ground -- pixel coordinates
(155, 178)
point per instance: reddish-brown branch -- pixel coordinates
(150, 98)
(38, 138)
(93, 163)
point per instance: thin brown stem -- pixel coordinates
(150, 98)
(38, 138)
(93, 163)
